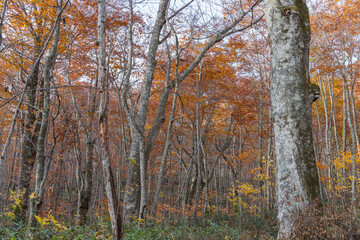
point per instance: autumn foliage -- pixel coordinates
(220, 163)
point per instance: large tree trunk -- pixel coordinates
(291, 97)
(29, 135)
(85, 192)
(36, 200)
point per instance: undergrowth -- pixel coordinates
(217, 227)
(311, 223)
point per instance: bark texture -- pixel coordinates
(36, 200)
(291, 97)
(86, 181)
(2, 21)
(29, 134)
(113, 204)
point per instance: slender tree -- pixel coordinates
(141, 144)
(109, 181)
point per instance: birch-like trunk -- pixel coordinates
(198, 154)
(113, 204)
(353, 148)
(30, 131)
(349, 112)
(292, 95)
(2, 21)
(133, 183)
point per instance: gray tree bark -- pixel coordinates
(198, 154)
(2, 21)
(36, 200)
(113, 204)
(85, 191)
(292, 95)
(29, 136)
(133, 183)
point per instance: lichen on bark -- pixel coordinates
(297, 179)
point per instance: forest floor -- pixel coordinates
(311, 223)
(212, 228)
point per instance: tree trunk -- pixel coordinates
(164, 156)
(29, 137)
(198, 141)
(292, 95)
(133, 183)
(353, 148)
(113, 204)
(2, 21)
(85, 191)
(36, 200)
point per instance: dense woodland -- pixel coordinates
(159, 119)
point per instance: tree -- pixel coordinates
(339, 50)
(113, 202)
(41, 172)
(291, 97)
(142, 143)
(31, 18)
(2, 21)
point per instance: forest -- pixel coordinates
(187, 119)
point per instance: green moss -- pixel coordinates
(302, 8)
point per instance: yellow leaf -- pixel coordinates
(32, 195)
(40, 220)
(132, 160)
